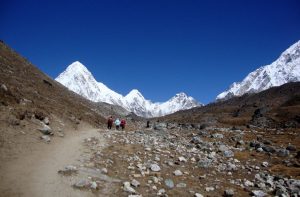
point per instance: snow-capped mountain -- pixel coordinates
(80, 80)
(285, 69)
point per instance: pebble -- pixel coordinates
(68, 170)
(135, 183)
(155, 179)
(94, 185)
(46, 138)
(209, 189)
(265, 164)
(248, 183)
(169, 183)
(161, 192)
(198, 195)
(3, 87)
(228, 193)
(182, 159)
(155, 167)
(228, 153)
(82, 183)
(181, 185)
(177, 173)
(46, 121)
(46, 130)
(104, 170)
(147, 149)
(128, 188)
(258, 193)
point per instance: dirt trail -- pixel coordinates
(35, 174)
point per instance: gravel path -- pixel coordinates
(35, 173)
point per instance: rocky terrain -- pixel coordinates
(179, 160)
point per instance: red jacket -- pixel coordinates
(123, 122)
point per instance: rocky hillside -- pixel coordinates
(26, 91)
(32, 104)
(275, 107)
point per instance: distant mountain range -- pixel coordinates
(80, 80)
(284, 70)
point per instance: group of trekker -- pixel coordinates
(117, 123)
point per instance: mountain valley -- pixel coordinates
(54, 142)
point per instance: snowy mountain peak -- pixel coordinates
(285, 69)
(134, 93)
(77, 67)
(181, 94)
(80, 80)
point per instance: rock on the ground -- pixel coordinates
(46, 138)
(258, 193)
(104, 170)
(228, 153)
(209, 189)
(283, 153)
(135, 183)
(265, 164)
(169, 183)
(217, 135)
(177, 173)
(68, 170)
(46, 121)
(94, 185)
(291, 148)
(181, 185)
(228, 193)
(205, 163)
(248, 183)
(46, 130)
(182, 159)
(128, 188)
(198, 195)
(82, 184)
(161, 192)
(3, 87)
(155, 167)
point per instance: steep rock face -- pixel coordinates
(284, 70)
(80, 80)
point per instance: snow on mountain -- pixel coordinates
(80, 80)
(284, 70)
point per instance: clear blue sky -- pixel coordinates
(159, 47)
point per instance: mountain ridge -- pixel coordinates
(81, 81)
(283, 70)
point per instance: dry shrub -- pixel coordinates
(235, 121)
(284, 170)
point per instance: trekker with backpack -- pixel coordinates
(110, 122)
(117, 123)
(123, 123)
